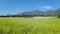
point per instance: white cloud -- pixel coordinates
(47, 7)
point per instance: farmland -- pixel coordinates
(29, 25)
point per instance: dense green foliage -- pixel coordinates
(29, 25)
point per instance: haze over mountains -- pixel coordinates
(41, 13)
(32, 13)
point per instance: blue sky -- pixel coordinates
(16, 6)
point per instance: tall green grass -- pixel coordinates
(29, 26)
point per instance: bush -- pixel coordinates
(58, 16)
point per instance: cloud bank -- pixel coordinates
(45, 8)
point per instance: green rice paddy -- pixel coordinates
(29, 26)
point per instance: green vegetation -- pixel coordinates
(29, 25)
(58, 15)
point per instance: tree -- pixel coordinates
(58, 15)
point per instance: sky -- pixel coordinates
(17, 6)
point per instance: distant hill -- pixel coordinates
(41, 13)
(31, 13)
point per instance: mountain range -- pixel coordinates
(41, 13)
